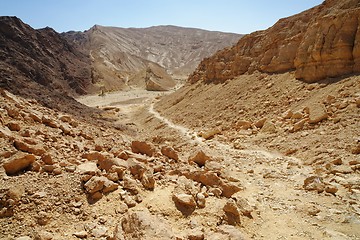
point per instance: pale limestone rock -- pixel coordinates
(88, 168)
(317, 113)
(95, 184)
(200, 200)
(268, 127)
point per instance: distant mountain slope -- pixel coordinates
(319, 43)
(119, 53)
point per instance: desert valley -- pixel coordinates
(181, 133)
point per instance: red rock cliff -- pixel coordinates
(318, 43)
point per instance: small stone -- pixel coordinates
(24, 238)
(317, 113)
(43, 218)
(95, 184)
(199, 158)
(184, 200)
(129, 201)
(81, 234)
(121, 208)
(268, 127)
(96, 196)
(331, 189)
(232, 212)
(243, 124)
(314, 183)
(297, 115)
(48, 121)
(170, 153)
(337, 161)
(143, 148)
(200, 200)
(148, 180)
(109, 186)
(13, 126)
(196, 235)
(260, 123)
(44, 235)
(298, 126)
(89, 168)
(131, 185)
(210, 133)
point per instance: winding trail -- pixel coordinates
(193, 137)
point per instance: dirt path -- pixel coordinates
(272, 183)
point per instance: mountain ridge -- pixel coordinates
(118, 53)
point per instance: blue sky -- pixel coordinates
(240, 16)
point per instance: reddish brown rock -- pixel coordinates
(143, 148)
(18, 162)
(13, 126)
(199, 158)
(34, 149)
(170, 153)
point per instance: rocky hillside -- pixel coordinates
(41, 64)
(42, 56)
(319, 43)
(119, 53)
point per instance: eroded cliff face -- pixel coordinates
(319, 43)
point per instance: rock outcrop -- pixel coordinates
(319, 43)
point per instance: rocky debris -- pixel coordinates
(13, 126)
(143, 148)
(97, 231)
(298, 126)
(18, 162)
(170, 153)
(211, 179)
(199, 158)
